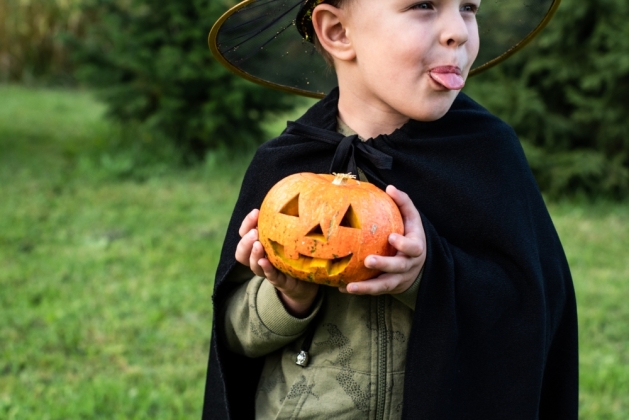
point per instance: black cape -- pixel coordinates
(494, 333)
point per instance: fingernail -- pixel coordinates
(351, 288)
(371, 262)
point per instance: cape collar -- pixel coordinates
(324, 114)
(320, 123)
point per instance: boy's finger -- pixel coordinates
(410, 215)
(408, 245)
(397, 264)
(257, 254)
(385, 284)
(244, 247)
(271, 273)
(257, 251)
(250, 222)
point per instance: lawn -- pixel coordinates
(106, 277)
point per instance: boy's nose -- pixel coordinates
(454, 29)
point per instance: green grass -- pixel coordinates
(105, 286)
(106, 278)
(596, 241)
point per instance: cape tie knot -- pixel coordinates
(349, 149)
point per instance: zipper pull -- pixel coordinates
(302, 359)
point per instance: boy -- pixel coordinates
(473, 318)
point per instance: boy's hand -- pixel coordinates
(400, 270)
(297, 296)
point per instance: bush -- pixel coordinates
(31, 46)
(154, 68)
(566, 96)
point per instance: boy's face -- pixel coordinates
(411, 58)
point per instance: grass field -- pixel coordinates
(105, 279)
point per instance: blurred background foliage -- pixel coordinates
(566, 97)
(149, 62)
(31, 40)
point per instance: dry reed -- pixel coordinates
(30, 38)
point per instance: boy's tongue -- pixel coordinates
(448, 78)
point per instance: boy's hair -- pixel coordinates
(315, 40)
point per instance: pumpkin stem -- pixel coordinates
(341, 179)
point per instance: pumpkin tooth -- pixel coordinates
(318, 262)
(338, 265)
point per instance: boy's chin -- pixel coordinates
(428, 117)
(436, 111)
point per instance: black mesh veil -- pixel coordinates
(258, 40)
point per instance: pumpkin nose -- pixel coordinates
(317, 233)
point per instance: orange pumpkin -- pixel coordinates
(320, 228)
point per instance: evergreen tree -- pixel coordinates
(566, 95)
(153, 64)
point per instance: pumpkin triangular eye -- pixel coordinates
(350, 219)
(292, 207)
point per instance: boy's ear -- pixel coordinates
(329, 23)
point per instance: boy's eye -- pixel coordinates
(424, 6)
(472, 8)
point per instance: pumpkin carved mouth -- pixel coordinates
(333, 266)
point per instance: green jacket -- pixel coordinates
(357, 356)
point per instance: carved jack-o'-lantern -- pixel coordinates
(320, 228)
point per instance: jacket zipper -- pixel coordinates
(381, 330)
(382, 357)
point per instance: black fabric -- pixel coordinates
(494, 333)
(344, 160)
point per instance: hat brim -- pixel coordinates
(257, 40)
